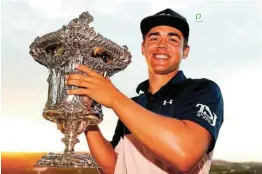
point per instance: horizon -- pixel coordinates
(17, 153)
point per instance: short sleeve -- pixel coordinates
(119, 131)
(205, 107)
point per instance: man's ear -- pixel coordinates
(186, 52)
(142, 48)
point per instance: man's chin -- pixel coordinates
(162, 72)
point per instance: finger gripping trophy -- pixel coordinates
(61, 51)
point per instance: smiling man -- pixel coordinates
(173, 123)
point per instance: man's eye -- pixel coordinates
(173, 40)
(153, 39)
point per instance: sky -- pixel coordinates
(225, 47)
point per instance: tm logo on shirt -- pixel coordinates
(206, 114)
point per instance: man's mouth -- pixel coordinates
(161, 56)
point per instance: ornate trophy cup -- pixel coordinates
(60, 51)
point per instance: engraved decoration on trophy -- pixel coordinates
(61, 51)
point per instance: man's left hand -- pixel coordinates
(92, 85)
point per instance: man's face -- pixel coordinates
(163, 49)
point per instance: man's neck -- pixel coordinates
(156, 81)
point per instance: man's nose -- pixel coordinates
(162, 44)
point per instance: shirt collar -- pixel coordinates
(177, 79)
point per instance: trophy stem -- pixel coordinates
(68, 159)
(70, 141)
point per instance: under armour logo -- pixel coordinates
(169, 102)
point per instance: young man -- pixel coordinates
(172, 127)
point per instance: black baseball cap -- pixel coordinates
(166, 17)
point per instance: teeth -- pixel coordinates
(161, 56)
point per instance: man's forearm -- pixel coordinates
(162, 135)
(101, 149)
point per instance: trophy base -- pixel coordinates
(67, 160)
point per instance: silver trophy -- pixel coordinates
(61, 51)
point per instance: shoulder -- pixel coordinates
(205, 85)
